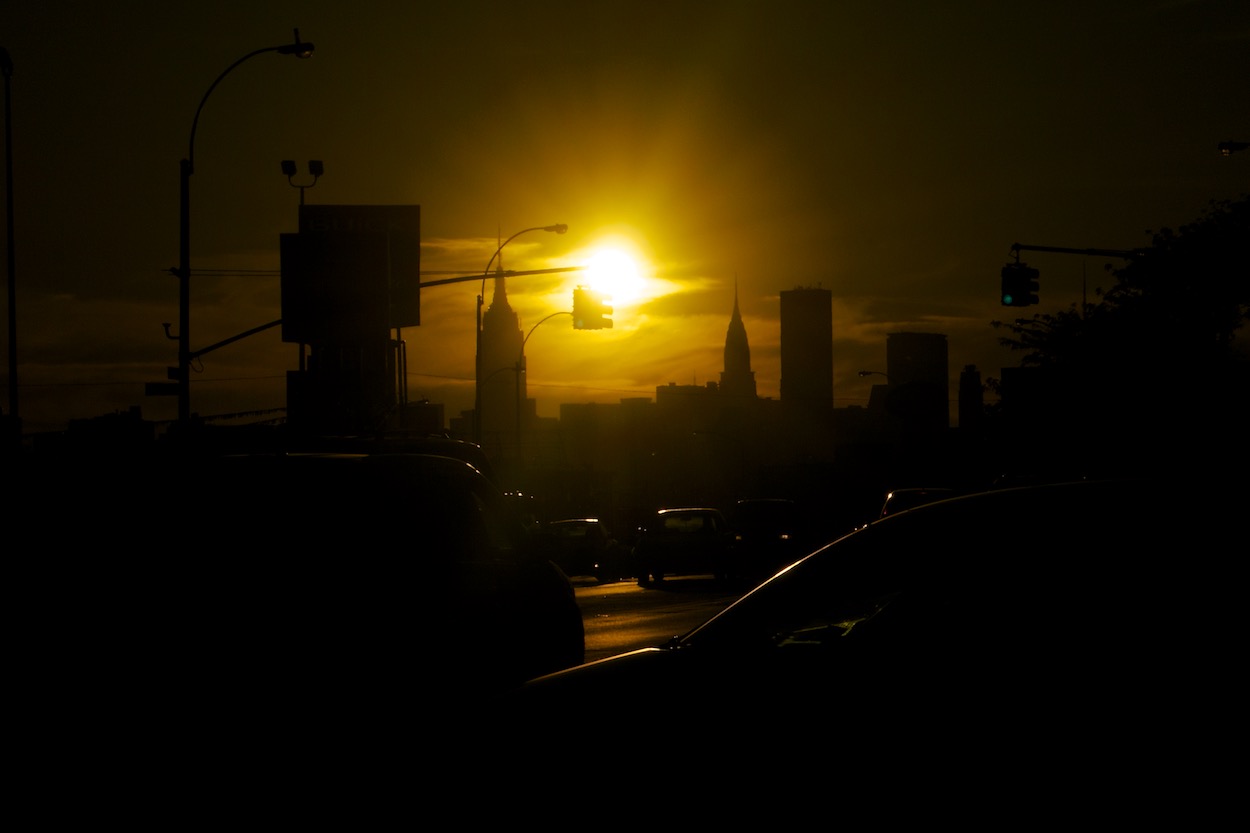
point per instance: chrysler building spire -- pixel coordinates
(737, 379)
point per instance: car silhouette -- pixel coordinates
(1001, 623)
(768, 534)
(683, 541)
(900, 500)
(585, 547)
(296, 593)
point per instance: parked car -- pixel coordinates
(585, 547)
(998, 628)
(683, 541)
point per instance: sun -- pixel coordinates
(615, 271)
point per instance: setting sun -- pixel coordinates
(615, 272)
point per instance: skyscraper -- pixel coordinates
(737, 379)
(807, 370)
(807, 349)
(916, 364)
(500, 378)
(971, 400)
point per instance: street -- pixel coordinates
(621, 616)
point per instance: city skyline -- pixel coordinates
(890, 157)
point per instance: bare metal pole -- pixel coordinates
(6, 63)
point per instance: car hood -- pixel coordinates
(601, 676)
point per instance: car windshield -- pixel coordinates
(834, 586)
(683, 524)
(566, 529)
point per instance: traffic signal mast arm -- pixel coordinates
(507, 274)
(1016, 248)
(1019, 280)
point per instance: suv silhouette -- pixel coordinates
(686, 541)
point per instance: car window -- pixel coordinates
(684, 523)
(689, 523)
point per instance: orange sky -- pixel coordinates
(889, 153)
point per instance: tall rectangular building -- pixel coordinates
(807, 370)
(918, 370)
(807, 348)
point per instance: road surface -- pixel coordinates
(622, 616)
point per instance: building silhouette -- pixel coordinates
(501, 384)
(971, 401)
(919, 381)
(737, 379)
(807, 371)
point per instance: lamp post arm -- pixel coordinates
(520, 368)
(298, 48)
(535, 327)
(558, 228)
(195, 121)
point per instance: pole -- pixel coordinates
(184, 293)
(7, 64)
(477, 375)
(299, 49)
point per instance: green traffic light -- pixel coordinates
(1019, 285)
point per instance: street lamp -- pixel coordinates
(299, 49)
(315, 168)
(520, 368)
(558, 228)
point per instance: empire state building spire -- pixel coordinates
(737, 379)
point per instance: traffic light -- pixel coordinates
(590, 310)
(1019, 285)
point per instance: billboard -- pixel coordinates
(351, 274)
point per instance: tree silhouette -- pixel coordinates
(1154, 374)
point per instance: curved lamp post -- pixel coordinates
(299, 49)
(520, 368)
(558, 228)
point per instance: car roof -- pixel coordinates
(691, 509)
(899, 500)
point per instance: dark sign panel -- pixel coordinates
(351, 274)
(334, 288)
